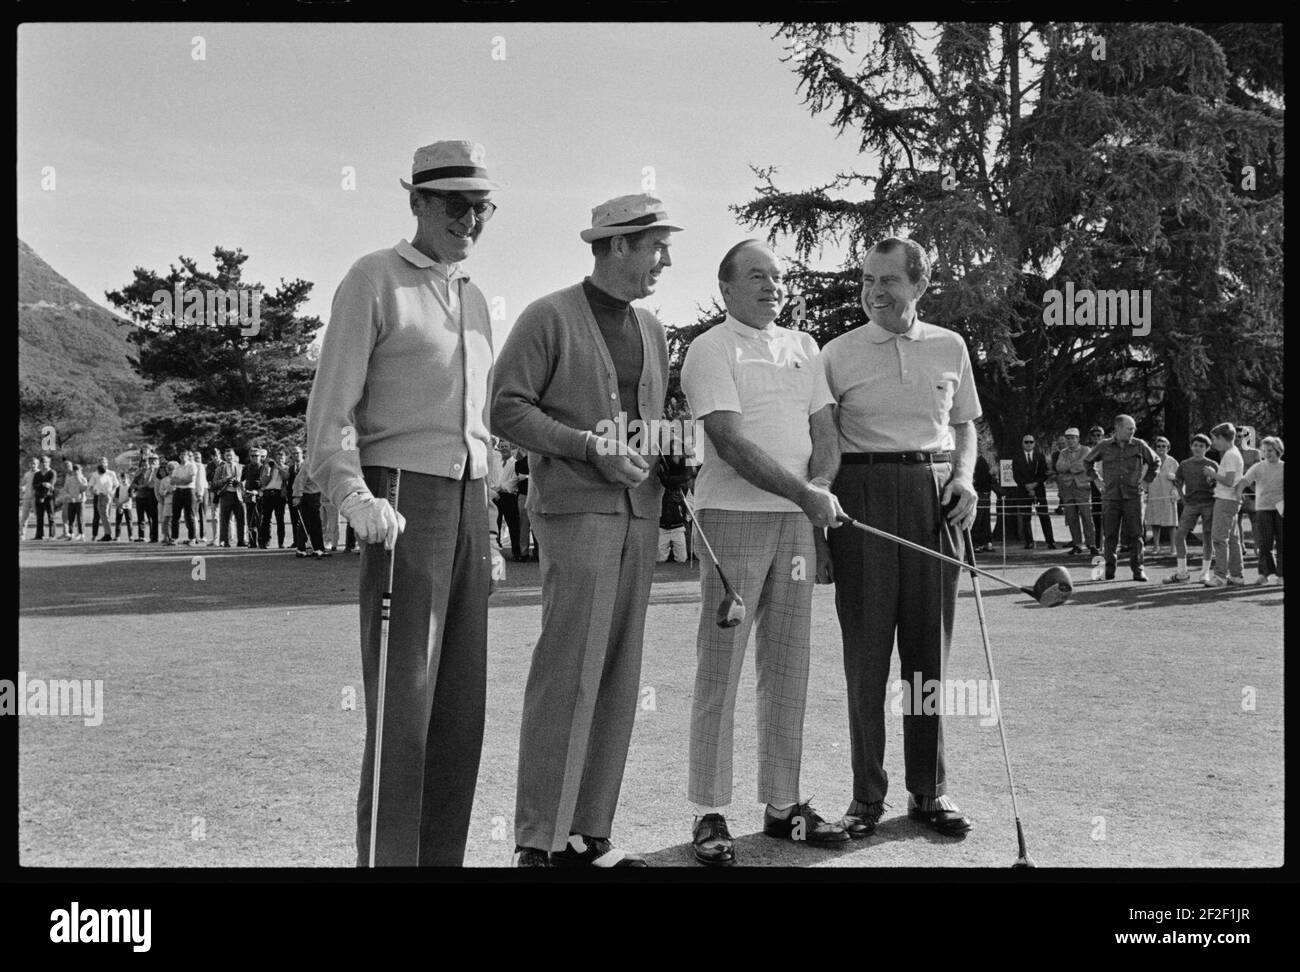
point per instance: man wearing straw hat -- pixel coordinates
(397, 438)
(576, 363)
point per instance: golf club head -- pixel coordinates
(731, 610)
(1053, 588)
(1023, 861)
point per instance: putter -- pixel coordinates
(385, 610)
(1052, 588)
(731, 610)
(1023, 860)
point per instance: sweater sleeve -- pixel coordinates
(335, 460)
(523, 372)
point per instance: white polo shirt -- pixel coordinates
(900, 392)
(771, 376)
(1230, 461)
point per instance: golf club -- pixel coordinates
(385, 610)
(1052, 588)
(731, 611)
(1023, 860)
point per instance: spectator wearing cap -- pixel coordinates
(574, 361)
(1266, 476)
(1162, 498)
(397, 433)
(1073, 484)
(1126, 463)
(252, 483)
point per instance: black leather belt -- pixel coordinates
(906, 458)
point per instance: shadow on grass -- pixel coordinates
(759, 850)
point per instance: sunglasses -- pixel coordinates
(1028, 441)
(458, 206)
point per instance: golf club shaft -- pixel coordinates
(707, 546)
(385, 609)
(997, 704)
(934, 553)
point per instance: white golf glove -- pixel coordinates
(374, 520)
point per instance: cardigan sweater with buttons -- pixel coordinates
(555, 385)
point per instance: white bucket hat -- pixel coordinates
(626, 215)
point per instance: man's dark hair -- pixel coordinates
(1226, 431)
(727, 268)
(1202, 438)
(918, 264)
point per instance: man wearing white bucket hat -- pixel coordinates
(397, 438)
(576, 362)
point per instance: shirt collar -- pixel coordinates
(744, 330)
(448, 271)
(880, 335)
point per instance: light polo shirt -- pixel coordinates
(772, 377)
(900, 392)
(403, 375)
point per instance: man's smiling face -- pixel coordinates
(888, 295)
(451, 239)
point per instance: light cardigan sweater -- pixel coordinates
(403, 376)
(555, 383)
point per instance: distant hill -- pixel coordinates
(73, 349)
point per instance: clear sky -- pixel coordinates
(157, 154)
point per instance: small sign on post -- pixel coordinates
(1007, 477)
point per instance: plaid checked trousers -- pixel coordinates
(760, 554)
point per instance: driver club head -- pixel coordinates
(1023, 860)
(731, 610)
(1053, 588)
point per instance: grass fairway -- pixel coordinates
(226, 740)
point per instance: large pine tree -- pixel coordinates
(1022, 156)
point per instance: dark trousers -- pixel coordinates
(309, 514)
(99, 511)
(435, 701)
(1028, 505)
(182, 505)
(228, 505)
(981, 533)
(44, 514)
(508, 504)
(123, 512)
(146, 507)
(1269, 523)
(72, 514)
(199, 507)
(272, 503)
(1129, 511)
(1095, 493)
(253, 517)
(883, 590)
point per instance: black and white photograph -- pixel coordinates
(717, 451)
